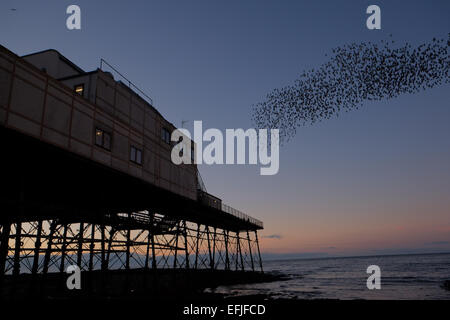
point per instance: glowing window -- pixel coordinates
(103, 139)
(79, 89)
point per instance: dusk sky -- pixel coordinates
(372, 181)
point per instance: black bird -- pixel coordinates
(355, 73)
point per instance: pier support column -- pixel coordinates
(147, 250)
(37, 248)
(127, 256)
(110, 240)
(227, 259)
(48, 251)
(240, 251)
(259, 252)
(103, 265)
(4, 248)
(197, 243)
(176, 245)
(63, 248)
(80, 246)
(250, 251)
(91, 248)
(17, 245)
(186, 244)
(211, 262)
(153, 241)
(213, 266)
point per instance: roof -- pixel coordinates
(62, 57)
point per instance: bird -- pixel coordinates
(354, 73)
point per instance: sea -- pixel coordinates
(403, 277)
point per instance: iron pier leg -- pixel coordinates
(213, 266)
(250, 250)
(236, 256)
(91, 248)
(127, 260)
(147, 252)
(103, 264)
(196, 245)
(63, 249)
(63, 258)
(18, 237)
(240, 251)
(91, 259)
(4, 248)
(80, 245)
(110, 240)
(37, 249)
(259, 252)
(186, 243)
(152, 238)
(49, 246)
(211, 263)
(47, 255)
(227, 259)
(176, 245)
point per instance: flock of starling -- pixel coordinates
(355, 73)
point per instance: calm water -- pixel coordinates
(402, 277)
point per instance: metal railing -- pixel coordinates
(241, 215)
(131, 85)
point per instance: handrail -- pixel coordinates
(241, 215)
(130, 84)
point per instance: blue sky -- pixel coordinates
(373, 179)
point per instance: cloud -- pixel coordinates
(273, 236)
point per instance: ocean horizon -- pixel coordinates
(403, 277)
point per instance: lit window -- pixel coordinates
(79, 88)
(99, 137)
(136, 155)
(103, 139)
(165, 135)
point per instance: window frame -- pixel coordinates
(165, 133)
(134, 152)
(103, 134)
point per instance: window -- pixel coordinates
(165, 135)
(136, 155)
(79, 88)
(103, 139)
(192, 155)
